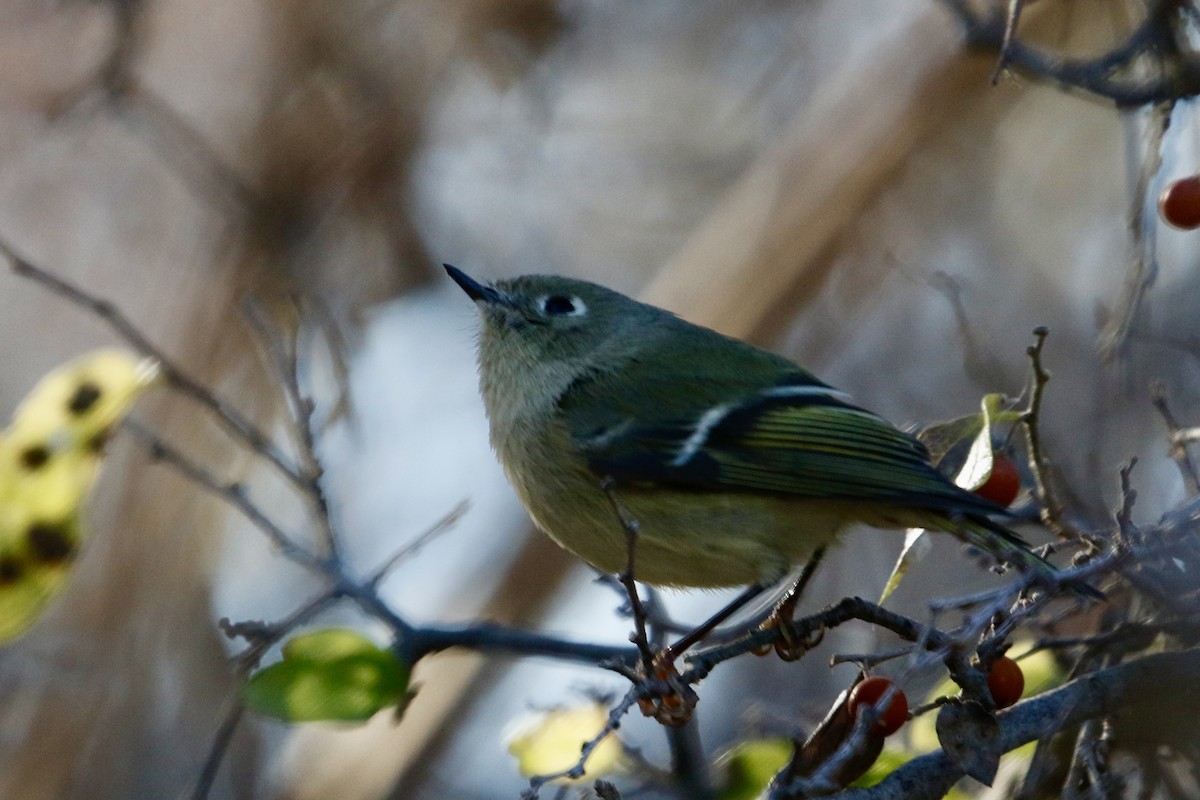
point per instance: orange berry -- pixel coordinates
(1179, 203)
(1006, 682)
(1004, 482)
(869, 692)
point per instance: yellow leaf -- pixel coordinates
(49, 459)
(550, 741)
(916, 547)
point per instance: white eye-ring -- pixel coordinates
(562, 305)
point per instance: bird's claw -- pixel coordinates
(789, 646)
(674, 706)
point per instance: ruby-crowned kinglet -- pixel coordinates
(735, 463)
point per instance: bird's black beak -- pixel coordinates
(474, 289)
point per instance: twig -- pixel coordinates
(300, 407)
(1084, 780)
(701, 663)
(448, 521)
(1179, 442)
(238, 426)
(261, 638)
(1050, 508)
(414, 641)
(627, 579)
(1142, 269)
(866, 660)
(689, 766)
(338, 348)
(486, 637)
(1012, 19)
(578, 769)
(216, 751)
(232, 493)
(1107, 75)
(1124, 514)
(659, 623)
(979, 362)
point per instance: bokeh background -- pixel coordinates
(837, 180)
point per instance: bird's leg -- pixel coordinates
(787, 646)
(674, 707)
(689, 639)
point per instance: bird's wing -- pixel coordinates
(797, 438)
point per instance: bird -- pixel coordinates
(735, 463)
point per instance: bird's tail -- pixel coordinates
(992, 537)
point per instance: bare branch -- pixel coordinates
(238, 426)
(630, 526)
(448, 521)
(220, 745)
(1151, 681)
(1051, 509)
(283, 358)
(232, 493)
(577, 770)
(1180, 438)
(1113, 75)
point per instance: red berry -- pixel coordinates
(1006, 682)
(1004, 482)
(868, 693)
(1179, 203)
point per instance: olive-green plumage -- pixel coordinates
(736, 463)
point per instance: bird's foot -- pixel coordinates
(671, 701)
(789, 646)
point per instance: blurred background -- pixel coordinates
(839, 181)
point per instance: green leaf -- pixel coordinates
(328, 644)
(750, 765)
(332, 675)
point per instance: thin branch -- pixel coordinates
(262, 637)
(659, 622)
(1142, 269)
(283, 360)
(238, 426)
(488, 637)
(232, 493)
(701, 663)
(217, 750)
(1124, 515)
(868, 660)
(688, 762)
(448, 521)
(1109, 75)
(1084, 781)
(979, 362)
(1012, 19)
(1050, 507)
(630, 526)
(576, 771)
(1179, 438)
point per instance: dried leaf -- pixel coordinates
(970, 736)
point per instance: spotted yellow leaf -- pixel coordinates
(50, 455)
(549, 741)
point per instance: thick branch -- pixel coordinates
(1152, 680)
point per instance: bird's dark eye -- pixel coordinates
(558, 305)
